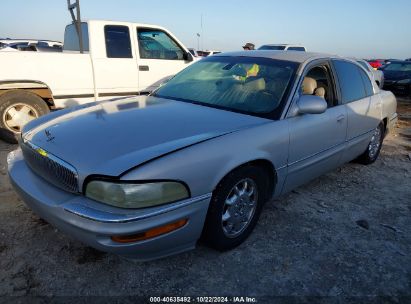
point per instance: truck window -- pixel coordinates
(71, 41)
(156, 44)
(118, 44)
(296, 48)
(351, 83)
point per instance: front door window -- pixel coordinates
(156, 44)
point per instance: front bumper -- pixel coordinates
(94, 223)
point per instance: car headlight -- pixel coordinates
(136, 195)
(404, 81)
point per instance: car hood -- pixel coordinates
(109, 138)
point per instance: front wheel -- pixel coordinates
(235, 207)
(372, 152)
(19, 107)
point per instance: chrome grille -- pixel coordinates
(51, 168)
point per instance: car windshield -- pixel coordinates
(256, 86)
(398, 67)
(273, 47)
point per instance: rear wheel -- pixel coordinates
(235, 207)
(19, 107)
(372, 152)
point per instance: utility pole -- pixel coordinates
(202, 34)
(76, 20)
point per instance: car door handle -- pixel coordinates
(143, 68)
(340, 118)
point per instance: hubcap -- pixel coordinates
(239, 207)
(17, 115)
(375, 143)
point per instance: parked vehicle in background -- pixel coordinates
(282, 47)
(207, 53)
(376, 63)
(398, 77)
(23, 43)
(193, 52)
(38, 48)
(6, 48)
(376, 75)
(119, 59)
(408, 59)
(130, 177)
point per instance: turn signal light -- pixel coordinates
(149, 233)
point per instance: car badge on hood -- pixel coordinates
(49, 136)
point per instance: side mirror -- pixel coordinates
(188, 57)
(310, 104)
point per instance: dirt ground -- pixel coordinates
(346, 234)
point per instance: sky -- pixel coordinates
(357, 28)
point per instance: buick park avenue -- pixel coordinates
(147, 177)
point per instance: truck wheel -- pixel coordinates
(235, 207)
(18, 107)
(370, 155)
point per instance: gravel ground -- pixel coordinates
(346, 234)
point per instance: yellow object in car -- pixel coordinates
(253, 72)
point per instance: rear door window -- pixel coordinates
(364, 65)
(367, 83)
(118, 44)
(350, 81)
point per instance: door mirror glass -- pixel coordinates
(310, 104)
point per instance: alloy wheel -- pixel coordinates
(239, 207)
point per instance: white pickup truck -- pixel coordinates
(119, 59)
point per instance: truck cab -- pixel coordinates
(118, 59)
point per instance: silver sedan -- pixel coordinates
(147, 177)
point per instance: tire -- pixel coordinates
(220, 234)
(28, 106)
(372, 152)
(8, 136)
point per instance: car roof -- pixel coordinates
(282, 44)
(126, 23)
(295, 56)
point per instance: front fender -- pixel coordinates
(202, 166)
